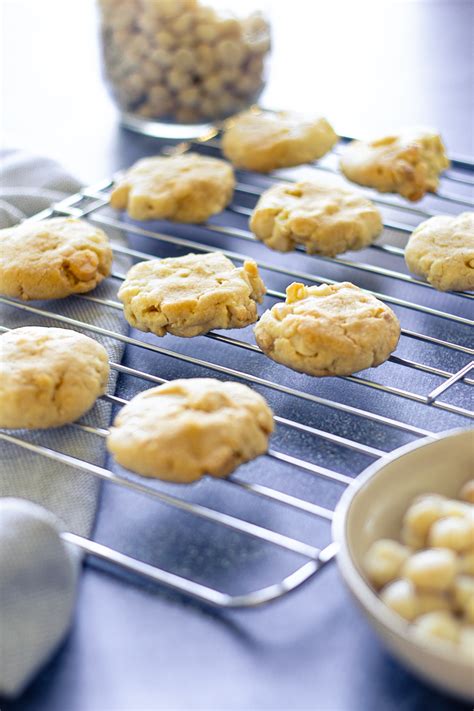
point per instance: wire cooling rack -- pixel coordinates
(326, 428)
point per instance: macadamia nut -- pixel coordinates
(411, 539)
(430, 601)
(433, 568)
(451, 532)
(452, 507)
(384, 560)
(421, 515)
(437, 625)
(401, 597)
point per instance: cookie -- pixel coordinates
(325, 219)
(184, 188)
(49, 376)
(265, 141)
(191, 295)
(408, 163)
(442, 250)
(328, 330)
(52, 258)
(184, 429)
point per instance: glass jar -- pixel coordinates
(176, 66)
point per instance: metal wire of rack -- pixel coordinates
(447, 313)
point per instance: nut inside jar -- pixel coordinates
(181, 60)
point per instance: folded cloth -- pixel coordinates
(28, 184)
(37, 590)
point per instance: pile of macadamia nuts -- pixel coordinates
(428, 578)
(179, 60)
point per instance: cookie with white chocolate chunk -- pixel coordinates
(185, 429)
(441, 249)
(49, 376)
(185, 188)
(333, 329)
(51, 259)
(265, 140)
(191, 295)
(408, 163)
(323, 218)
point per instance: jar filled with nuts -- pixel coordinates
(176, 66)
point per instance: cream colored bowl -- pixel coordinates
(372, 508)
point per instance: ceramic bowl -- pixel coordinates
(373, 508)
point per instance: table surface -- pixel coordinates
(369, 66)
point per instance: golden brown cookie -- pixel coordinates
(187, 428)
(49, 376)
(264, 141)
(184, 188)
(408, 163)
(328, 330)
(441, 249)
(51, 259)
(191, 295)
(324, 219)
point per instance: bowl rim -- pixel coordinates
(359, 587)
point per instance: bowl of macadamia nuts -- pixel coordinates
(405, 530)
(182, 61)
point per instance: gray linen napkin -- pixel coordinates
(37, 590)
(29, 184)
